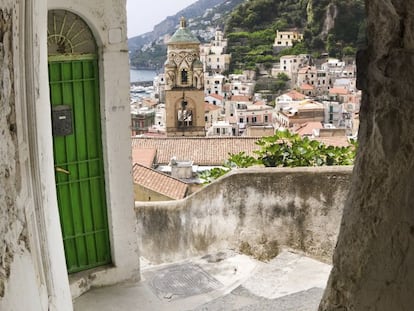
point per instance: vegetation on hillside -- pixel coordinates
(251, 48)
(332, 26)
(262, 14)
(151, 58)
(285, 149)
(270, 85)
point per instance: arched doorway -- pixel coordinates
(77, 141)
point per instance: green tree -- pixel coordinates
(283, 76)
(349, 51)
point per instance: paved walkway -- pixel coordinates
(222, 281)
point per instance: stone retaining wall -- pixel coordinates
(255, 210)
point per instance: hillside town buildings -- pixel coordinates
(290, 64)
(213, 114)
(323, 91)
(322, 101)
(214, 84)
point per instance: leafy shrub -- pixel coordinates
(285, 149)
(209, 176)
(241, 160)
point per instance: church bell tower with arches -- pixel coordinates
(184, 90)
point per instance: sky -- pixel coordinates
(144, 15)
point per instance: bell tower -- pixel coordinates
(184, 89)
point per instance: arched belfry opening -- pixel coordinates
(77, 142)
(185, 111)
(184, 76)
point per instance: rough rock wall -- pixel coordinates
(373, 260)
(329, 23)
(12, 231)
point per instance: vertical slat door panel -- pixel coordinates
(81, 193)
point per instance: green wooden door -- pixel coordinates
(78, 160)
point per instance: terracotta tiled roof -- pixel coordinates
(159, 182)
(339, 141)
(202, 151)
(216, 96)
(144, 156)
(160, 133)
(149, 102)
(295, 95)
(240, 98)
(339, 91)
(210, 107)
(308, 127)
(305, 69)
(306, 86)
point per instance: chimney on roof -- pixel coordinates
(173, 161)
(181, 169)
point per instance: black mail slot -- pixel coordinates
(62, 120)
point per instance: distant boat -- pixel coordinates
(149, 89)
(137, 89)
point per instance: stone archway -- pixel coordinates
(77, 141)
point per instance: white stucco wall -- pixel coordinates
(31, 249)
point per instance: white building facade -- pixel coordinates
(213, 84)
(213, 55)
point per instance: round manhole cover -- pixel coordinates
(181, 281)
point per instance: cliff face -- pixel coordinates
(373, 259)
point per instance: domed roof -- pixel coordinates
(183, 35)
(198, 64)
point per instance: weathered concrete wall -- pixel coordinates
(373, 261)
(21, 268)
(254, 210)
